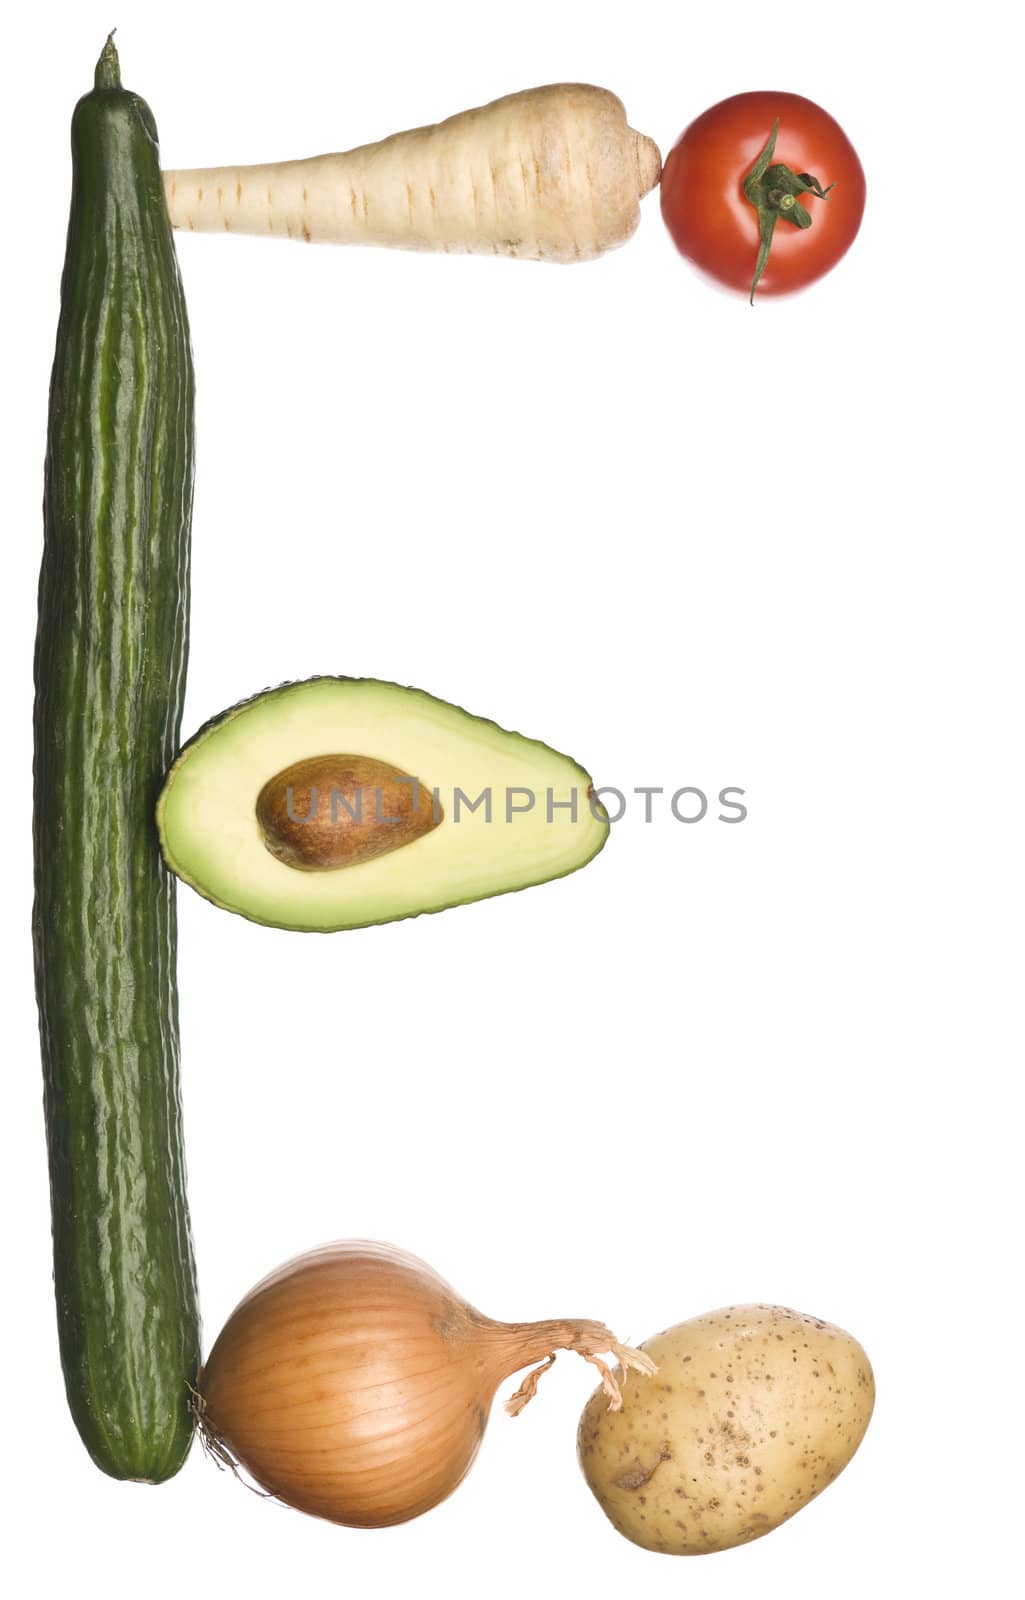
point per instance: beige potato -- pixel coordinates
(753, 1411)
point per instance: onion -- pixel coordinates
(355, 1384)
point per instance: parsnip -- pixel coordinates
(550, 174)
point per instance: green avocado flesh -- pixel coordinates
(543, 822)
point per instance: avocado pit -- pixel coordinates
(333, 811)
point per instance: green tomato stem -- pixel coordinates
(773, 190)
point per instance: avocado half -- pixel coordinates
(484, 811)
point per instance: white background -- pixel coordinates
(688, 543)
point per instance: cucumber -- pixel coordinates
(110, 672)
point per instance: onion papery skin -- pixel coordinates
(355, 1384)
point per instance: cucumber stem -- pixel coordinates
(108, 68)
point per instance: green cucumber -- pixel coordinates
(110, 672)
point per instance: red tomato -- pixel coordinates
(716, 226)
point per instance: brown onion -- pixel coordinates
(355, 1384)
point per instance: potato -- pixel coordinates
(753, 1411)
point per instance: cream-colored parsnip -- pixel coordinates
(552, 174)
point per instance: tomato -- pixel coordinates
(719, 228)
